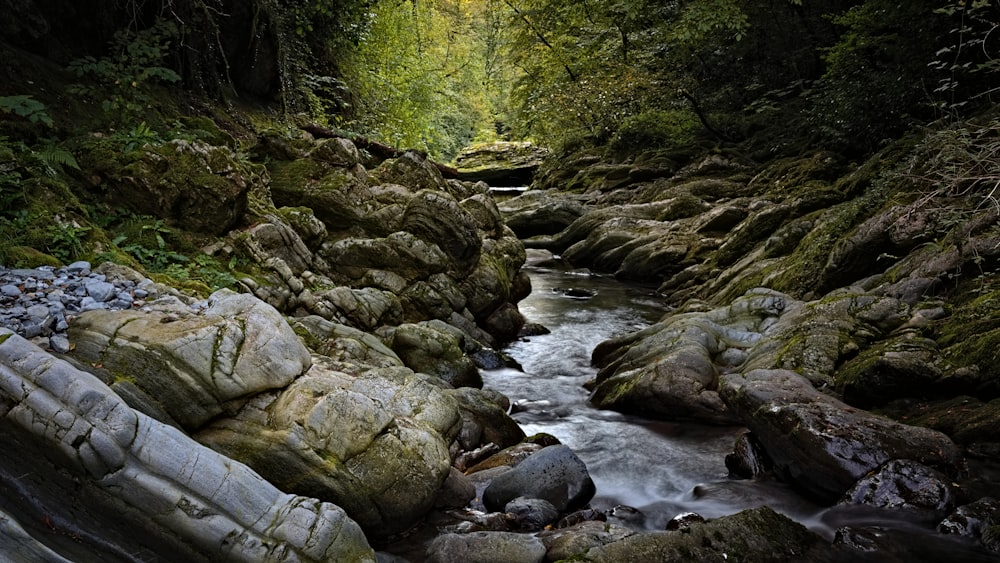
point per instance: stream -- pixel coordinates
(660, 468)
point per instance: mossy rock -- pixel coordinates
(26, 257)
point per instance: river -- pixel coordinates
(660, 468)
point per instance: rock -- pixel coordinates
(670, 369)
(438, 219)
(901, 367)
(904, 484)
(500, 163)
(819, 443)
(456, 492)
(375, 443)
(192, 365)
(541, 212)
(428, 350)
(971, 520)
(140, 487)
(748, 459)
(568, 542)
(196, 186)
(345, 345)
(486, 547)
(684, 521)
(758, 534)
(485, 419)
(554, 474)
(530, 514)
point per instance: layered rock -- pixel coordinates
(139, 486)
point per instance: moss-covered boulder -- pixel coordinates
(192, 185)
(376, 443)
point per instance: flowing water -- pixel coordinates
(660, 468)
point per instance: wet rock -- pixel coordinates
(758, 534)
(486, 547)
(141, 487)
(972, 520)
(904, 484)
(541, 212)
(530, 514)
(819, 443)
(554, 474)
(684, 521)
(749, 459)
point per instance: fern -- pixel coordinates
(27, 107)
(55, 158)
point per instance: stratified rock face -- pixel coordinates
(375, 444)
(500, 164)
(191, 364)
(818, 442)
(137, 486)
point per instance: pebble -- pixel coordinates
(40, 303)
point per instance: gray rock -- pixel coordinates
(554, 474)
(70, 440)
(10, 291)
(101, 291)
(18, 546)
(82, 267)
(819, 443)
(904, 484)
(486, 547)
(531, 514)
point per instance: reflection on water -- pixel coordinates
(662, 468)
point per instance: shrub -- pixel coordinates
(655, 129)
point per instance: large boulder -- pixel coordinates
(759, 534)
(190, 184)
(374, 443)
(426, 349)
(501, 163)
(671, 369)
(118, 482)
(486, 547)
(189, 364)
(819, 443)
(554, 474)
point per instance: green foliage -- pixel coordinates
(150, 247)
(65, 240)
(418, 76)
(20, 162)
(124, 77)
(27, 107)
(655, 129)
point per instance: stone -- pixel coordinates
(554, 474)
(530, 514)
(817, 442)
(193, 364)
(428, 350)
(137, 484)
(904, 484)
(486, 547)
(375, 443)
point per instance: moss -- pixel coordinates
(26, 257)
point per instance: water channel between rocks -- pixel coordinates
(660, 468)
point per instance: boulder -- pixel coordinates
(554, 474)
(670, 369)
(485, 419)
(438, 219)
(375, 443)
(190, 184)
(486, 547)
(758, 534)
(819, 443)
(139, 487)
(501, 163)
(193, 364)
(435, 352)
(907, 485)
